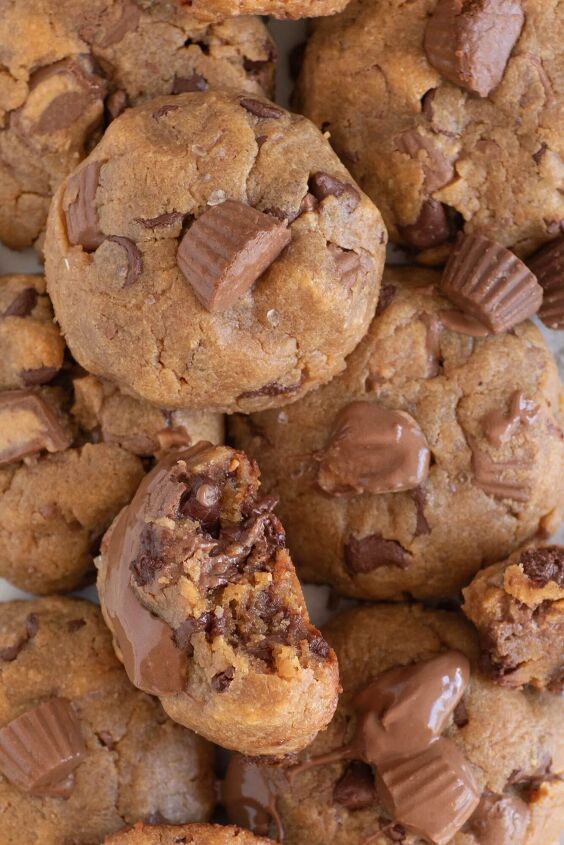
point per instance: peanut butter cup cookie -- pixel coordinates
(200, 593)
(438, 450)
(190, 834)
(422, 749)
(210, 10)
(230, 263)
(449, 115)
(82, 752)
(68, 67)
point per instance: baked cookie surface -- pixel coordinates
(103, 753)
(192, 834)
(69, 67)
(199, 591)
(466, 127)
(438, 450)
(207, 10)
(422, 747)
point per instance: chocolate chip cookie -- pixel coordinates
(213, 9)
(191, 834)
(31, 347)
(229, 263)
(422, 748)
(448, 113)
(82, 752)
(200, 593)
(518, 608)
(438, 450)
(68, 67)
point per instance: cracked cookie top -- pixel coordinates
(190, 834)
(213, 9)
(69, 67)
(448, 113)
(103, 754)
(229, 260)
(439, 449)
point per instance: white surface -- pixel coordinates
(287, 35)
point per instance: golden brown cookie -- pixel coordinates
(68, 67)
(190, 834)
(201, 596)
(422, 748)
(210, 10)
(437, 451)
(448, 113)
(518, 608)
(103, 754)
(229, 264)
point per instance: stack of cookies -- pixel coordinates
(218, 391)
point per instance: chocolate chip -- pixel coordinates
(187, 84)
(318, 646)
(355, 790)
(81, 213)
(469, 41)
(488, 282)
(437, 169)
(374, 552)
(222, 681)
(227, 249)
(170, 218)
(114, 31)
(31, 625)
(421, 524)
(323, 185)
(202, 503)
(164, 110)
(183, 634)
(387, 296)
(427, 104)
(23, 304)
(261, 109)
(460, 714)
(548, 267)
(431, 228)
(134, 258)
(75, 625)
(40, 375)
(544, 564)
(348, 264)
(273, 388)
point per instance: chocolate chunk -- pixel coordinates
(10, 653)
(499, 820)
(499, 426)
(23, 304)
(106, 739)
(432, 227)
(273, 388)
(186, 84)
(437, 169)
(249, 796)
(355, 790)
(134, 258)
(544, 564)
(421, 525)
(227, 249)
(116, 104)
(373, 449)
(170, 218)
(74, 625)
(498, 478)
(42, 747)
(40, 375)
(261, 109)
(373, 552)
(387, 296)
(490, 283)
(115, 31)
(162, 111)
(548, 267)
(460, 715)
(222, 681)
(28, 424)
(81, 213)
(64, 102)
(457, 321)
(322, 185)
(469, 41)
(348, 264)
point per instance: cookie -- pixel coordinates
(465, 130)
(230, 263)
(102, 410)
(103, 754)
(422, 748)
(191, 834)
(70, 66)
(200, 594)
(518, 608)
(210, 11)
(31, 347)
(437, 451)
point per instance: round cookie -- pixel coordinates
(465, 130)
(199, 591)
(210, 11)
(477, 764)
(437, 451)
(238, 278)
(31, 347)
(117, 758)
(68, 67)
(191, 834)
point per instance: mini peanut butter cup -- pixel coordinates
(488, 282)
(42, 747)
(548, 267)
